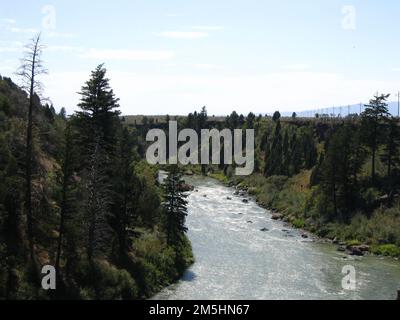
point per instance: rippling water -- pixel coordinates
(236, 260)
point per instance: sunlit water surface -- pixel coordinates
(236, 260)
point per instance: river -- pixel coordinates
(236, 260)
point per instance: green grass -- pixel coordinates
(386, 250)
(220, 177)
(298, 223)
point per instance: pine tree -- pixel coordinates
(250, 119)
(67, 198)
(286, 154)
(276, 116)
(175, 205)
(274, 160)
(125, 182)
(98, 124)
(97, 204)
(296, 158)
(339, 169)
(391, 145)
(98, 105)
(372, 125)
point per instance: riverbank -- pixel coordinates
(292, 201)
(160, 265)
(241, 253)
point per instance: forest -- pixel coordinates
(77, 193)
(337, 177)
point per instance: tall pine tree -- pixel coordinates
(175, 205)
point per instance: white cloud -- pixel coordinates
(9, 49)
(9, 65)
(22, 30)
(108, 54)
(183, 34)
(8, 21)
(12, 46)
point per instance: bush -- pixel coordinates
(369, 197)
(104, 281)
(298, 223)
(387, 250)
(159, 264)
(353, 242)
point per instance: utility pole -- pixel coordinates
(398, 104)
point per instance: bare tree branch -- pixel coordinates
(32, 66)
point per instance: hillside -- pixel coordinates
(77, 221)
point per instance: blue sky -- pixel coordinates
(176, 56)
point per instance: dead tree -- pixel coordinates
(31, 67)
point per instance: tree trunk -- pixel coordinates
(29, 148)
(61, 227)
(66, 177)
(334, 200)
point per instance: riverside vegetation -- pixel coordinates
(76, 194)
(338, 178)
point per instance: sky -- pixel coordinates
(175, 56)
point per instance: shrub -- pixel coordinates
(298, 223)
(104, 281)
(386, 250)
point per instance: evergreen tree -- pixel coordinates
(97, 207)
(276, 116)
(203, 118)
(124, 203)
(98, 124)
(63, 113)
(286, 154)
(376, 112)
(296, 158)
(175, 205)
(391, 143)
(250, 119)
(338, 175)
(274, 161)
(98, 105)
(68, 199)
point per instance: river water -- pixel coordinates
(236, 260)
